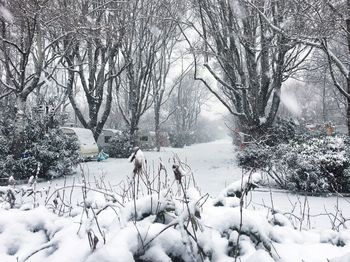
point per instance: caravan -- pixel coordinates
(88, 146)
(106, 135)
(146, 140)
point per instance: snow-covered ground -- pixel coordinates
(212, 164)
(214, 167)
(161, 227)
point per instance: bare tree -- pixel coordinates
(147, 33)
(338, 61)
(324, 25)
(248, 59)
(169, 56)
(163, 91)
(186, 102)
(94, 58)
(331, 104)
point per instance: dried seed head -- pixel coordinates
(177, 173)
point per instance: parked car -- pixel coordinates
(88, 146)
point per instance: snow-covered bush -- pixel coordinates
(255, 156)
(45, 152)
(282, 131)
(258, 153)
(182, 139)
(316, 165)
(56, 153)
(312, 164)
(119, 146)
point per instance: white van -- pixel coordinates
(88, 146)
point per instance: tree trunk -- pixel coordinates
(157, 127)
(348, 76)
(348, 105)
(133, 134)
(17, 145)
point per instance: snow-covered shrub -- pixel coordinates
(255, 156)
(21, 168)
(258, 153)
(45, 152)
(316, 165)
(182, 139)
(56, 153)
(119, 146)
(282, 131)
(311, 164)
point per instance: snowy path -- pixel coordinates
(212, 164)
(214, 168)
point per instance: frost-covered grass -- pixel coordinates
(94, 217)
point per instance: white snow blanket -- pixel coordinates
(161, 227)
